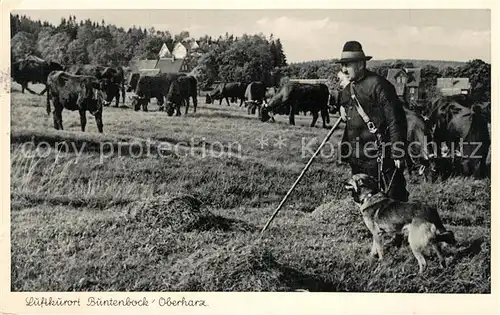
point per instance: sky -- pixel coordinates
(428, 34)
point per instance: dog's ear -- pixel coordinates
(368, 183)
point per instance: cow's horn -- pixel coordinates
(351, 185)
(421, 170)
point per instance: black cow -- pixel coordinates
(295, 97)
(461, 134)
(421, 152)
(74, 92)
(156, 86)
(118, 78)
(179, 93)
(214, 94)
(225, 91)
(33, 69)
(113, 78)
(255, 95)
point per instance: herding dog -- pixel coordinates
(382, 215)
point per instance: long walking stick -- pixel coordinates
(301, 175)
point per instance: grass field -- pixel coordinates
(90, 219)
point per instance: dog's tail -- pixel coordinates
(447, 237)
(433, 216)
(442, 234)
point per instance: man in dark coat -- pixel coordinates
(381, 106)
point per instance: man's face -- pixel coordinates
(352, 70)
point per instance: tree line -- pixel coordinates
(226, 58)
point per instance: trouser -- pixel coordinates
(370, 167)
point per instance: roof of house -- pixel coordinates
(453, 83)
(453, 91)
(391, 75)
(167, 65)
(136, 65)
(311, 81)
(132, 65)
(400, 89)
(413, 75)
(194, 44)
(164, 52)
(149, 72)
(180, 50)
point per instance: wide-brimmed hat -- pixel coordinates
(352, 51)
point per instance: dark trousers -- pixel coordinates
(397, 190)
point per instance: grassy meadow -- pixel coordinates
(91, 212)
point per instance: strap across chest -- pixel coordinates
(371, 126)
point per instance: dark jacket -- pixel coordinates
(381, 104)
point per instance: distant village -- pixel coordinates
(168, 61)
(407, 81)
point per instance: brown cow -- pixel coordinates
(74, 92)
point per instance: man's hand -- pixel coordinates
(398, 163)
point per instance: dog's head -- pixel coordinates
(362, 186)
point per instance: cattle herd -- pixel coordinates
(453, 123)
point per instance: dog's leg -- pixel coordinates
(437, 249)
(418, 242)
(377, 242)
(422, 264)
(374, 252)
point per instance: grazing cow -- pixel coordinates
(156, 86)
(226, 91)
(179, 93)
(113, 76)
(214, 94)
(74, 92)
(33, 69)
(255, 95)
(295, 97)
(460, 128)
